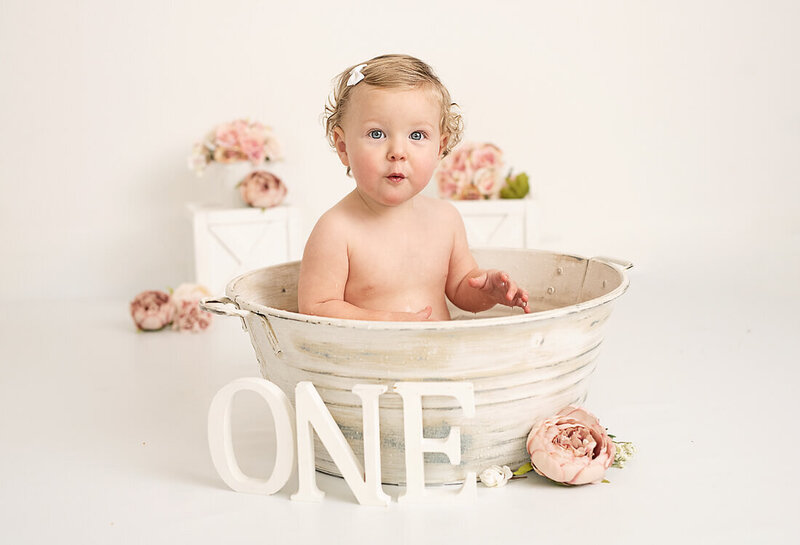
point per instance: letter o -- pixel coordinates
(220, 441)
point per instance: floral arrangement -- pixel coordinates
(475, 171)
(153, 310)
(239, 140)
(571, 448)
(262, 189)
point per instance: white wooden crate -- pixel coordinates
(231, 241)
(501, 223)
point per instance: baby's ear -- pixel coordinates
(339, 144)
(443, 144)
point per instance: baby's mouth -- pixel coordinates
(396, 177)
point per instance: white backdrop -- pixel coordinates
(666, 133)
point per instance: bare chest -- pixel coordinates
(385, 262)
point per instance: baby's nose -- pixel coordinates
(397, 151)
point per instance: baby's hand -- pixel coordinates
(419, 316)
(501, 288)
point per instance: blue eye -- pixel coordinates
(416, 135)
(376, 134)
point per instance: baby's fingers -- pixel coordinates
(512, 291)
(479, 281)
(425, 313)
(522, 301)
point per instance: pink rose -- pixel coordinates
(458, 159)
(254, 149)
(152, 310)
(488, 181)
(486, 156)
(272, 148)
(262, 189)
(188, 314)
(449, 184)
(571, 447)
(226, 135)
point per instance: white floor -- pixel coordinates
(103, 430)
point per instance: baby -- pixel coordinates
(386, 252)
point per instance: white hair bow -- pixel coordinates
(356, 75)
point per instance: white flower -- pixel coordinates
(496, 476)
(625, 451)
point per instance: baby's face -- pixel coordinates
(391, 140)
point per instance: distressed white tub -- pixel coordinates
(522, 366)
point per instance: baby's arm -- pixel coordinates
(323, 276)
(474, 289)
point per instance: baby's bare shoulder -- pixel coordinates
(442, 210)
(338, 218)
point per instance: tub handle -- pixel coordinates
(223, 306)
(623, 264)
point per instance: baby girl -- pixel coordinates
(386, 252)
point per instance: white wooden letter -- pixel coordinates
(221, 443)
(416, 444)
(311, 412)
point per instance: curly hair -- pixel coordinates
(390, 72)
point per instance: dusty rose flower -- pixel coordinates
(262, 189)
(272, 148)
(188, 314)
(485, 156)
(226, 135)
(152, 310)
(253, 148)
(571, 447)
(488, 181)
(449, 184)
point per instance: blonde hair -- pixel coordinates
(390, 72)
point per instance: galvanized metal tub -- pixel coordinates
(522, 366)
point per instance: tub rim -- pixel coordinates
(619, 265)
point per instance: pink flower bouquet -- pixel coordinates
(153, 310)
(239, 140)
(473, 172)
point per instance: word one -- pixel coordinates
(364, 482)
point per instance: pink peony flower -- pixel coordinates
(226, 135)
(272, 148)
(485, 156)
(449, 183)
(253, 148)
(262, 189)
(571, 447)
(188, 314)
(489, 181)
(152, 310)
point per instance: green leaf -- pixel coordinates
(515, 188)
(524, 469)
